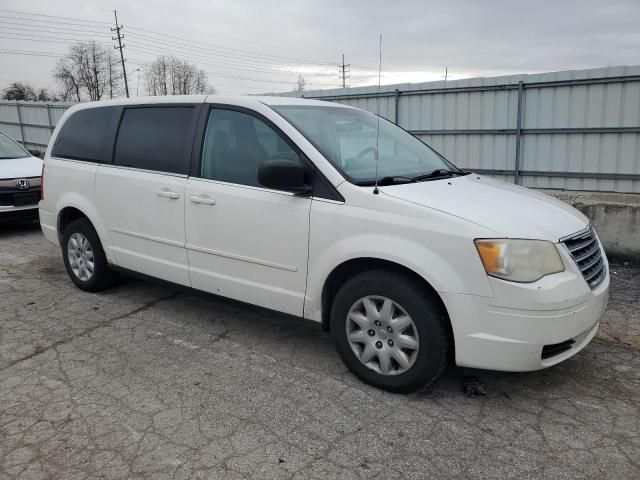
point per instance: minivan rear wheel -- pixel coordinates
(84, 258)
(390, 331)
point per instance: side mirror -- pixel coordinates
(35, 153)
(283, 174)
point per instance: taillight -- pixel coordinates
(42, 182)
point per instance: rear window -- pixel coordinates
(82, 135)
(155, 138)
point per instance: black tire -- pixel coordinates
(427, 314)
(102, 277)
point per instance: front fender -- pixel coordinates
(439, 271)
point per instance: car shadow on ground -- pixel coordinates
(272, 331)
(276, 329)
(18, 228)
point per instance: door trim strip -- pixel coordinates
(173, 243)
(242, 258)
(210, 251)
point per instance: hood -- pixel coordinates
(20, 167)
(509, 210)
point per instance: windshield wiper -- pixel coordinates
(388, 180)
(399, 179)
(395, 179)
(439, 173)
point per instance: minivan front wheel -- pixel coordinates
(84, 258)
(390, 331)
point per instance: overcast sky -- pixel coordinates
(268, 43)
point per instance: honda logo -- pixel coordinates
(23, 184)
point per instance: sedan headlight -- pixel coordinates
(519, 260)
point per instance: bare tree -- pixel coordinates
(115, 74)
(70, 86)
(300, 84)
(168, 75)
(88, 71)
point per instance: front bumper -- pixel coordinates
(10, 214)
(509, 331)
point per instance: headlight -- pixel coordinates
(519, 260)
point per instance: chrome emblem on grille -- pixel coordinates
(23, 184)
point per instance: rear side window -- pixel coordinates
(155, 138)
(82, 135)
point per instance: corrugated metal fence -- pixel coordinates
(30, 123)
(576, 130)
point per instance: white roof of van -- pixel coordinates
(241, 99)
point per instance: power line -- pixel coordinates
(244, 65)
(152, 42)
(237, 77)
(69, 32)
(251, 53)
(212, 51)
(138, 44)
(44, 37)
(247, 53)
(65, 41)
(31, 53)
(53, 16)
(39, 22)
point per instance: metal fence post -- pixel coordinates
(49, 119)
(516, 168)
(20, 122)
(397, 100)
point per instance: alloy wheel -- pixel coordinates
(80, 254)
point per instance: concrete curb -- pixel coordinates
(616, 218)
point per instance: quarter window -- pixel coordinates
(155, 138)
(235, 144)
(82, 135)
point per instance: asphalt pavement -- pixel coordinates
(146, 381)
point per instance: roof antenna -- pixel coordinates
(375, 189)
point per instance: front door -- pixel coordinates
(244, 241)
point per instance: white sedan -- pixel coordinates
(20, 173)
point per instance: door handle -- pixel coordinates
(168, 194)
(205, 199)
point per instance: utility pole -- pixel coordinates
(344, 69)
(120, 46)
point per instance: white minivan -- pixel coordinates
(329, 213)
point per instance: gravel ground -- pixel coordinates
(145, 381)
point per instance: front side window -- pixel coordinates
(82, 135)
(10, 149)
(155, 138)
(349, 139)
(236, 143)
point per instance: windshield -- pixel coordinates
(348, 138)
(10, 149)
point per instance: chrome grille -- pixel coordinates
(586, 252)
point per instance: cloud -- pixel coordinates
(420, 38)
